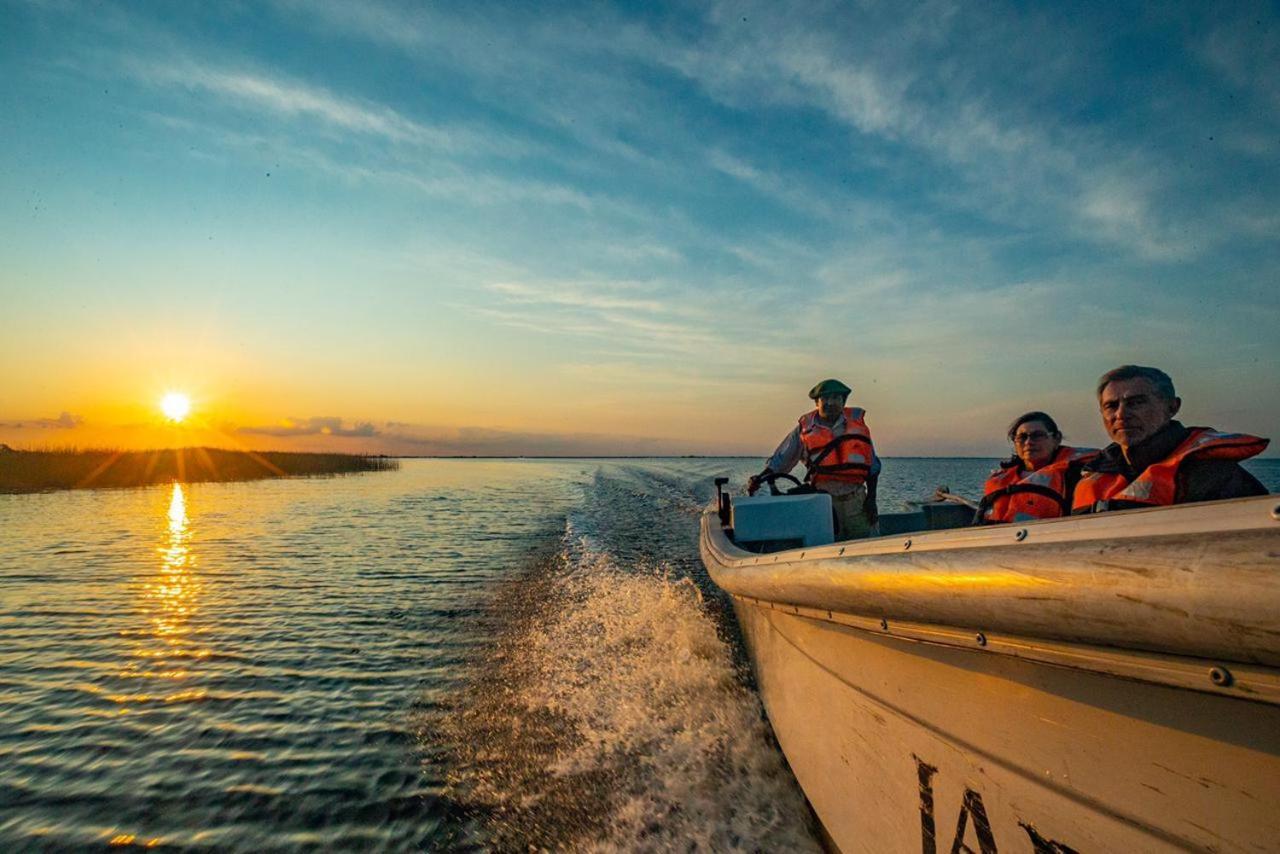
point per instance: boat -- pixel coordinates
(1083, 684)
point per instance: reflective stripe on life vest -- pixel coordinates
(1014, 494)
(1158, 485)
(845, 458)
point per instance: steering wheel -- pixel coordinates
(771, 478)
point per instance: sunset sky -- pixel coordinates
(588, 229)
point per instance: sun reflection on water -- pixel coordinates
(170, 597)
(176, 586)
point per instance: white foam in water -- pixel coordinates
(634, 662)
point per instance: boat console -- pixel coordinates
(771, 523)
(802, 518)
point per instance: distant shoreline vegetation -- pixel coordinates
(73, 468)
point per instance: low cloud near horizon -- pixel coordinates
(64, 421)
(400, 438)
(315, 426)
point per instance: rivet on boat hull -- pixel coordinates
(1021, 535)
(906, 545)
(1221, 677)
(884, 624)
(981, 639)
(1275, 512)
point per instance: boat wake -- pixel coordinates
(613, 716)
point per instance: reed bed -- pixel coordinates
(72, 468)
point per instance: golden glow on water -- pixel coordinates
(177, 511)
(131, 840)
(176, 586)
(170, 597)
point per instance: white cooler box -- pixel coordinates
(783, 521)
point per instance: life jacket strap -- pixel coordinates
(989, 500)
(835, 467)
(816, 460)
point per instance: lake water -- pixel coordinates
(460, 655)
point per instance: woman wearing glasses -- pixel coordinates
(1037, 481)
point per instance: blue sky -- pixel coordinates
(495, 228)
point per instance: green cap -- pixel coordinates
(827, 387)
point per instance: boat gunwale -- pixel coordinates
(1105, 595)
(1237, 514)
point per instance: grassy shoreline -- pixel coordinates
(45, 470)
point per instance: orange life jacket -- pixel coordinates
(845, 458)
(1015, 494)
(1157, 485)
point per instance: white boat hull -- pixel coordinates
(911, 730)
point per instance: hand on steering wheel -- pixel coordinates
(768, 478)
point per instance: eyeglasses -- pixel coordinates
(1024, 438)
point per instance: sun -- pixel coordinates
(175, 406)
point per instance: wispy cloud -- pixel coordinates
(1245, 51)
(284, 98)
(575, 295)
(643, 251)
(651, 333)
(996, 153)
(775, 186)
(438, 179)
(963, 93)
(604, 309)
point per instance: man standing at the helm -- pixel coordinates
(835, 445)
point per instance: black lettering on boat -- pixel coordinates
(1045, 846)
(928, 831)
(972, 806)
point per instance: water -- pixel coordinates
(458, 655)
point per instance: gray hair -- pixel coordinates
(1159, 379)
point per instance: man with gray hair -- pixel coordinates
(1155, 460)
